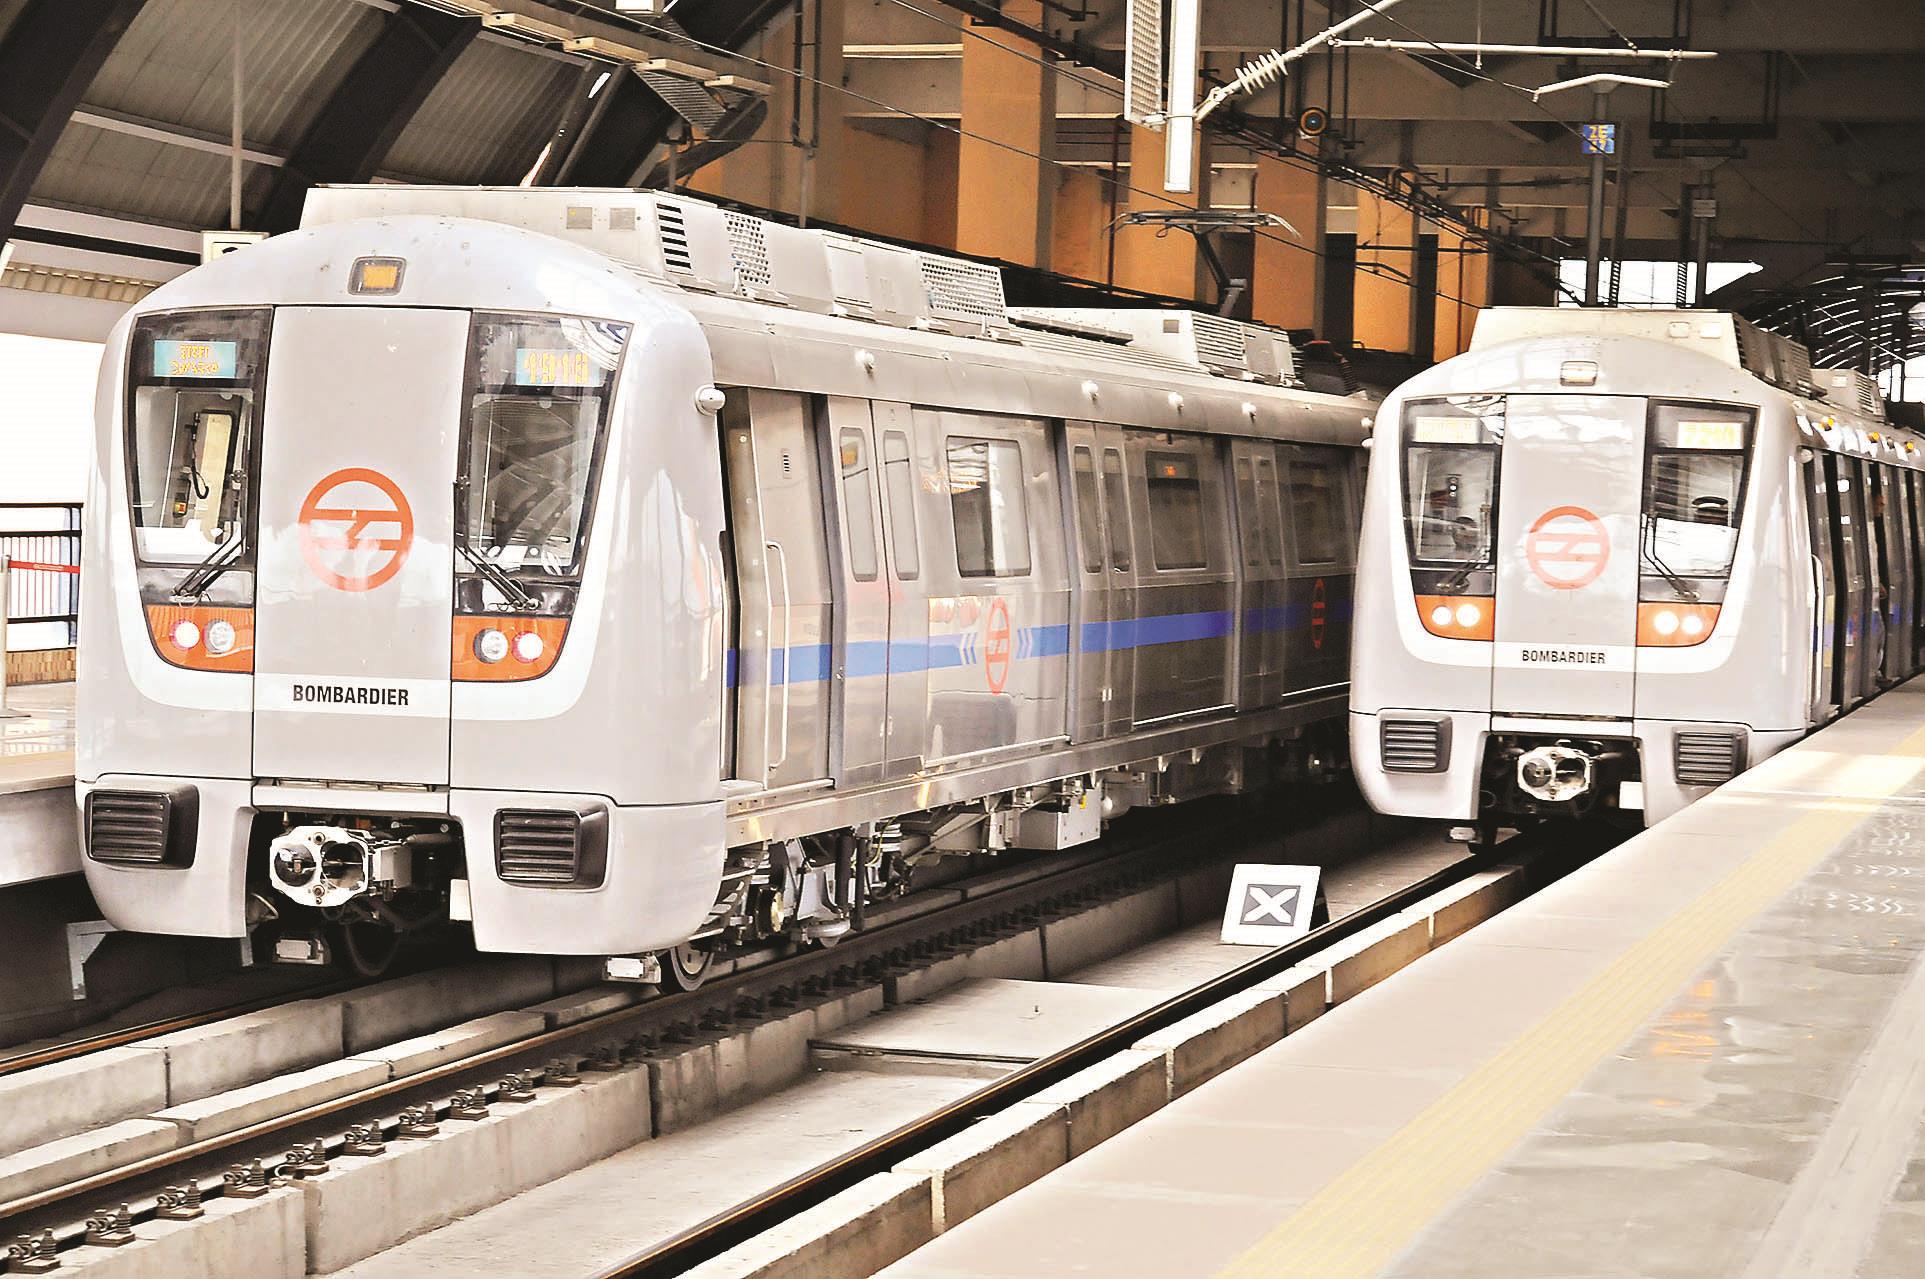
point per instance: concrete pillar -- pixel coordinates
(1463, 289)
(1079, 244)
(1144, 260)
(769, 170)
(1385, 298)
(1005, 185)
(1286, 277)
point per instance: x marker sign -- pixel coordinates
(1269, 905)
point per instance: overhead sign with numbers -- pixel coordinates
(1600, 139)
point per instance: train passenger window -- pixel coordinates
(1177, 535)
(194, 393)
(857, 509)
(1693, 492)
(1269, 523)
(1317, 512)
(987, 504)
(537, 397)
(1116, 505)
(1089, 521)
(899, 477)
(1450, 484)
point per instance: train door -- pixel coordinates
(1866, 517)
(1849, 536)
(353, 649)
(1826, 585)
(1898, 572)
(859, 684)
(1320, 593)
(1276, 616)
(1119, 537)
(1914, 487)
(908, 653)
(1259, 556)
(782, 589)
(1567, 586)
(1092, 601)
(1186, 591)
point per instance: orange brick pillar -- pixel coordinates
(1005, 193)
(1386, 262)
(1286, 277)
(1145, 260)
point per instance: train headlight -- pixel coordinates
(529, 647)
(220, 637)
(1441, 615)
(1693, 624)
(186, 635)
(1666, 623)
(1469, 615)
(491, 646)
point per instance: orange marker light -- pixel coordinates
(499, 649)
(1675, 625)
(1465, 617)
(203, 639)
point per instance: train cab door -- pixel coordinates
(907, 733)
(782, 598)
(1567, 550)
(859, 675)
(355, 595)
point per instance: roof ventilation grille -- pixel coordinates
(970, 292)
(749, 244)
(673, 226)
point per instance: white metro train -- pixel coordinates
(631, 577)
(1611, 558)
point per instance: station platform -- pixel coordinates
(39, 837)
(1701, 1054)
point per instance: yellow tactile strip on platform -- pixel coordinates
(1368, 1214)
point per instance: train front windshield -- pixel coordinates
(1451, 453)
(195, 381)
(1693, 497)
(537, 412)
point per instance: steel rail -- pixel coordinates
(769, 1208)
(71, 1049)
(623, 1036)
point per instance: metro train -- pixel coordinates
(1611, 558)
(623, 575)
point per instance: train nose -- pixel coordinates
(1554, 773)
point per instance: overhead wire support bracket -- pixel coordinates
(1273, 65)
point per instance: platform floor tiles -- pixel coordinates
(1702, 1055)
(37, 737)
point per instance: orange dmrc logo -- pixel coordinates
(356, 528)
(997, 645)
(1567, 548)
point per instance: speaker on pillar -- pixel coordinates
(1312, 121)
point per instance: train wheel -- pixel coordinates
(685, 967)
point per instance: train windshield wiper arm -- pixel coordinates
(201, 578)
(1461, 578)
(1648, 552)
(494, 574)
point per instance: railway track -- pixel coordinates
(1549, 855)
(362, 1124)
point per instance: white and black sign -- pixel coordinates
(1269, 905)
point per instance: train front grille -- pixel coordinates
(1707, 759)
(1415, 745)
(551, 848)
(142, 828)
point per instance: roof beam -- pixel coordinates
(368, 110)
(48, 58)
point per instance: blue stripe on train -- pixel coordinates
(808, 663)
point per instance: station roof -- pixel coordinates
(1804, 129)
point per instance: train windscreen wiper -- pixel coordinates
(1461, 578)
(201, 578)
(1648, 552)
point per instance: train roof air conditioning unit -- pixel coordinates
(1850, 387)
